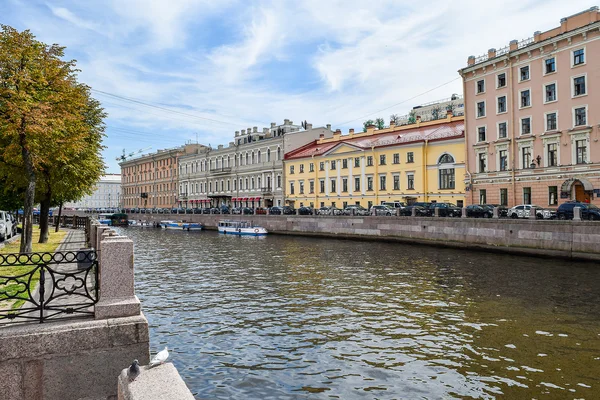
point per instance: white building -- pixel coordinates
(106, 195)
(435, 110)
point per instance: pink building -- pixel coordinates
(533, 117)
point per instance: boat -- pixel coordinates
(181, 226)
(113, 219)
(140, 224)
(229, 227)
(105, 219)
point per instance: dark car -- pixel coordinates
(215, 210)
(421, 209)
(206, 210)
(197, 211)
(247, 211)
(588, 211)
(287, 210)
(445, 210)
(502, 210)
(479, 211)
(305, 211)
(275, 210)
(236, 210)
(225, 210)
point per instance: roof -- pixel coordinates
(388, 137)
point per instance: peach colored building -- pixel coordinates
(532, 117)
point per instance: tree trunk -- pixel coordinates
(44, 211)
(27, 235)
(58, 218)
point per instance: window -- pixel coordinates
(396, 182)
(552, 195)
(501, 80)
(321, 186)
(503, 197)
(501, 105)
(344, 185)
(482, 157)
(311, 167)
(333, 188)
(446, 178)
(369, 161)
(382, 159)
(301, 187)
(301, 168)
(357, 184)
(332, 164)
(502, 131)
(291, 187)
(369, 183)
(357, 161)
(525, 157)
(581, 151)
(344, 163)
(524, 73)
(551, 122)
(481, 109)
(552, 154)
(481, 134)
(550, 91)
(321, 166)
(580, 116)
(579, 86)
(526, 195)
(525, 98)
(549, 65)
(503, 156)
(482, 196)
(410, 181)
(311, 186)
(382, 182)
(396, 158)
(480, 86)
(279, 181)
(579, 57)
(410, 157)
(291, 169)
(525, 126)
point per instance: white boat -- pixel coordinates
(140, 224)
(229, 227)
(182, 226)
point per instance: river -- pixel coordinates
(285, 317)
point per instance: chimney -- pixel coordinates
(243, 131)
(491, 53)
(255, 129)
(286, 121)
(418, 119)
(537, 36)
(337, 132)
(449, 114)
(249, 130)
(351, 131)
(471, 60)
(308, 126)
(321, 136)
(237, 133)
(273, 124)
(265, 130)
(392, 124)
(328, 127)
(513, 45)
(563, 25)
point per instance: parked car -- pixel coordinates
(523, 211)
(588, 211)
(288, 210)
(6, 229)
(479, 211)
(329, 211)
(261, 211)
(206, 210)
(215, 210)
(421, 209)
(394, 204)
(236, 210)
(276, 210)
(305, 211)
(225, 210)
(247, 211)
(445, 210)
(355, 210)
(382, 210)
(502, 210)
(14, 224)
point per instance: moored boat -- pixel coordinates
(179, 226)
(229, 227)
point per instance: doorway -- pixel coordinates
(581, 194)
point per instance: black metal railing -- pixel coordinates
(47, 286)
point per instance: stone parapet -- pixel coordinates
(159, 383)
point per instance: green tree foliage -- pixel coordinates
(380, 123)
(50, 128)
(412, 117)
(367, 123)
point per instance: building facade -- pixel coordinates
(248, 172)
(434, 110)
(150, 181)
(408, 163)
(107, 194)
(532, 121)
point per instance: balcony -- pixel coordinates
(267, 190)
(220, 171)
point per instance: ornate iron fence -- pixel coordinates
(48, 286)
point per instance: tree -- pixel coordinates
(367, 123)
(451, 107)
(380, 123)
(436, 112)
(395, 119)
(42, 115)
(412, 117)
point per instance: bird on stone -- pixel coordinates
(160, 358)
(133, 371)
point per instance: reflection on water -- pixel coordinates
(286, 317)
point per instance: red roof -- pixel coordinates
(442, 131)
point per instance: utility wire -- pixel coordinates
(402, 102)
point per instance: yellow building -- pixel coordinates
(424, 161)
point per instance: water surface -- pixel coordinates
(286, 317)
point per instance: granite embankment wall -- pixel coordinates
(569, 239)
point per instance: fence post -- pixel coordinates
(495, 215)
(436, 211)
(577, 214)
(532, 213)
(413, 212)
(464, 212)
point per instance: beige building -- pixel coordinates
(532, 121)
(107, 194)
(248, 172)
(150, 181)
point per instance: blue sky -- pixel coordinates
(206, 68)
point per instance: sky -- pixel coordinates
(178, 71)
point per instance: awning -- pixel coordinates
(245, 198)
(234, 199)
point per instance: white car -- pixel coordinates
(523, 211)
(6, 226)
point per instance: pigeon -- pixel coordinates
(160, 358)
(133, 371)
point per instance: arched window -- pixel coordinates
(278, 153)
(446, 172)
(268, 155)
(228, 162)
(247, 158)
(258, 158)
(252, 156)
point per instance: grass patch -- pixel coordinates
(54, 240)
